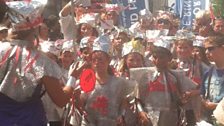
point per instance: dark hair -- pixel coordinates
(161, 50)
(51, 21)
(21, 35)
(82, 49)
(106, 54)
(3, 10)
(216, 40)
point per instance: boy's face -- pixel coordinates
(214, 53)
(219, 26)
(161, 60)
(184, 51)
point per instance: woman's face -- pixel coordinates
(112, 15)
(67, 59)
(134, 60)
(86, 30)
(100, 61)
(197, 53)
(118, 43)
(119, 40)
(163, 24)
(184, 51)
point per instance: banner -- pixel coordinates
(186, 9)
(130, 15)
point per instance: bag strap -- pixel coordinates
(176, 84)
(10, 57)
(207, 95)
(181, 113)
(6, 69)
(193, 66)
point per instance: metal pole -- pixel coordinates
(73, 20)
(166, 5)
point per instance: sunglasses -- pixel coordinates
(163, 21)
(211, 48)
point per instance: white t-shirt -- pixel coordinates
(66, 22)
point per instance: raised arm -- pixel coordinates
(59, 94)
(66, 10)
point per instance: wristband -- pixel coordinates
(123, 111)
(71, 81)
(139, 107)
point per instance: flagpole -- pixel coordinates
(68, 106)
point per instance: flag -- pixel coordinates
(186, 10)
(130, 15)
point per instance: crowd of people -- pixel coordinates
(82, 68)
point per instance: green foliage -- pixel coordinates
(217, 6)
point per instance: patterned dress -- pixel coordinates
(213, 90)
(104, 103)
(20, 89)
(160, 92)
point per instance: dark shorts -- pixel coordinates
(13, 113)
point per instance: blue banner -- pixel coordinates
(186, 9)
(130, 15)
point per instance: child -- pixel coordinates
(85, 48)
(28, 74)
(212, 85)
(194, 70)
(67, 55)
(133, 57)
(161, 89)
(132, 52)
(104, 103)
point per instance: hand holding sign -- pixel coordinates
(87, 75)
(77, 69)
(87, 80)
